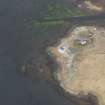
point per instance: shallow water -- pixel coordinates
(16, 42)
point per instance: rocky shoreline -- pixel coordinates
(50, 65)
(60, 54)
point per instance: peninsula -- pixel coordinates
(81, 60)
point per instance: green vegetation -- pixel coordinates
(57, 11)
(84, 34)
(46, 24)
(50, 53)
(77, 45)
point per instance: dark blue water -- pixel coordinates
(16, 42)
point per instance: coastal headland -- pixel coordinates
(80, 57)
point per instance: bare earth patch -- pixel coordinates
(81, 59)
(92, 6)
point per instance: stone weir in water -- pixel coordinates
(81, 62)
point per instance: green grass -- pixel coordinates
(55, 11)
(59, 11)
(46, 24)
